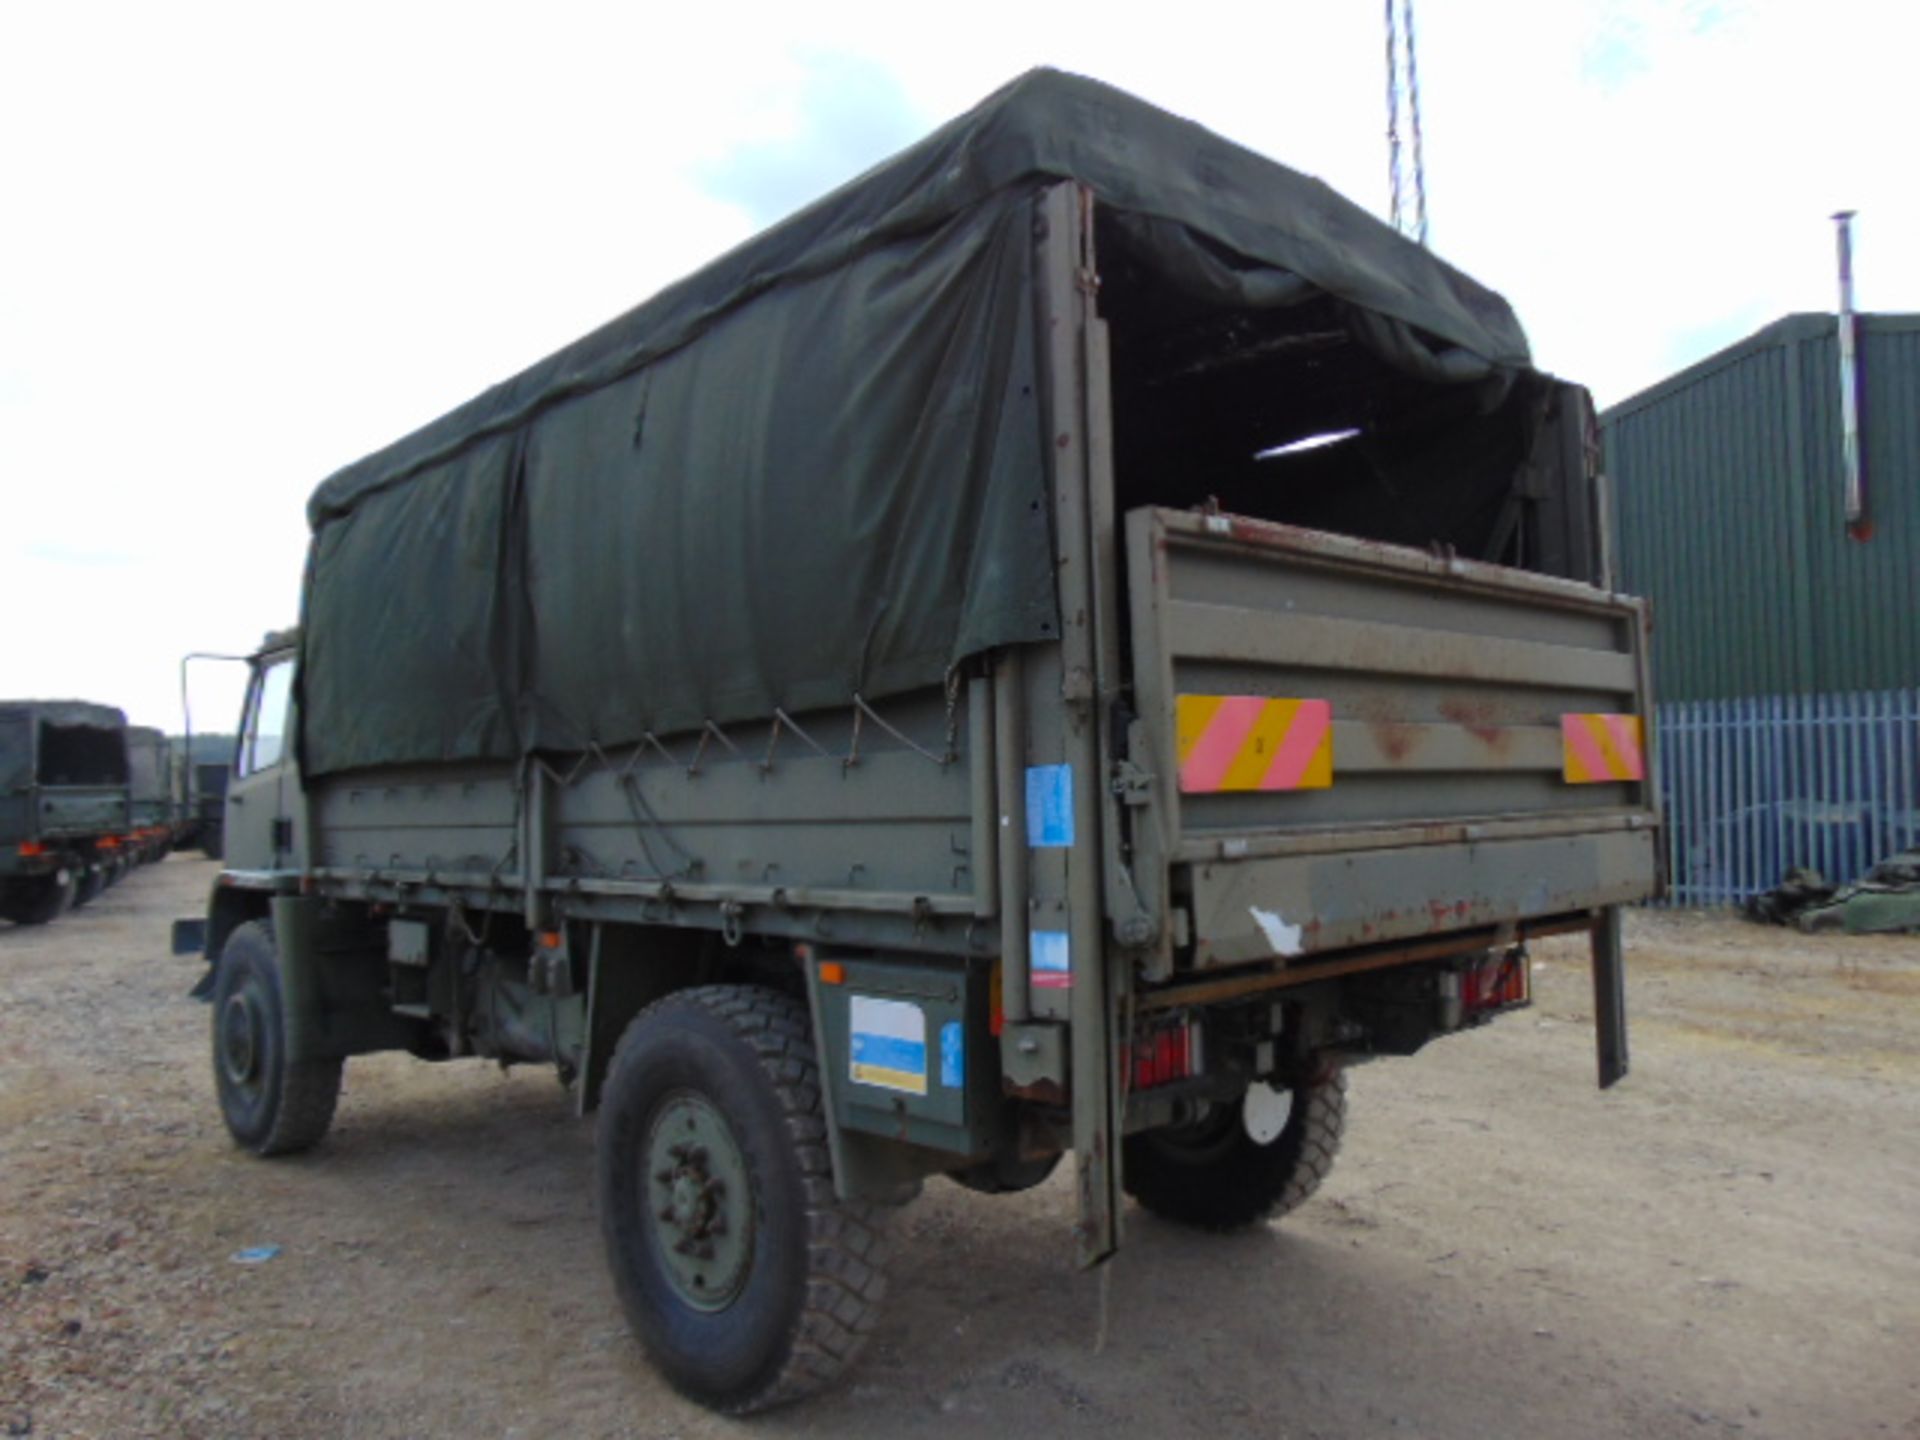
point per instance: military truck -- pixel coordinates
(1060, 647)
(156, 811)
(65, 806)
(207, 807)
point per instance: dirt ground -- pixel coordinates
(1726, 1244)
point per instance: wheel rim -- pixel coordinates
(240, 1041)
(694, 1191)
(1205, 1141)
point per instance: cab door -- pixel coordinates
(259, 826)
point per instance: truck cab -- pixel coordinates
(247, 812)
(263, 802)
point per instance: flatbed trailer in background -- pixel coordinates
(905, 701)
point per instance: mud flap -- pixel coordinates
(190, 938)
(333, 975)
(1609, 996)
(294, 923)
(1096, 1126)
(865, 1167)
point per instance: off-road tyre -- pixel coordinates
(89, 883)
(1215, 1176)
(805, 1290)
(38, 902)
(272, 1105)
(1005, 1176)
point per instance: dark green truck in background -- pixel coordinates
(904, 701)
(159, 809)
(65, 805)
(210, 807)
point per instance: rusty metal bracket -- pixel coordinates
(1131, 784)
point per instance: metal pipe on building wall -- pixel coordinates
(1856, 498)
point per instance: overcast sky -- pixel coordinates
(242, 246)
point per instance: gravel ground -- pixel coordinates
(1727, 1244)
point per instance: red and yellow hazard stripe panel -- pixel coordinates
(1601, 749)
(1251, 742)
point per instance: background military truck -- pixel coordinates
(207, 805)
(203, 763)
(156, 808)
(65, 805)
(902, 702)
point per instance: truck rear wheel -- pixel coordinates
(90, 881)
(747, 1282)
(35, 902)
(1217, 1176)
(272, 1105)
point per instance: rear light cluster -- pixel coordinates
(1160, 1057)
(1496, 984)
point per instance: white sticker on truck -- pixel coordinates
(1051, 966)
(1284, 938)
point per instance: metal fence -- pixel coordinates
(1752, 788)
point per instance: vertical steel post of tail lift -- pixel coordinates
(1065, 311)
(1609, 996)
(1009, 763)
(983, 846)
(1856, 497)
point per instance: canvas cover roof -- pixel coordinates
(67, 712)
(147, 756)
(810, 470)
(20, 718)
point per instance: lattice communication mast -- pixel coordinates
(1406, 162)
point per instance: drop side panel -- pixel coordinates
(1358, 743)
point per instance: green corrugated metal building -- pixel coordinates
(1729, 513)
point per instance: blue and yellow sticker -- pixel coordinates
(888, 1045)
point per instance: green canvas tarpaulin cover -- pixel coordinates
(811, 470)
(86, 746)
(16, 751)
(147, 763)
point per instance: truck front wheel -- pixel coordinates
(748, 1283)
(1243, 1163)
(273, 1105)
